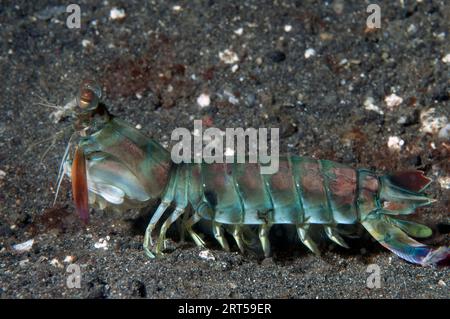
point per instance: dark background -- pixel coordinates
(153, 65)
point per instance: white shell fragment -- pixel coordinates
(370, 106)
(117, 14)
(177, 8)
(446, 58)
(86, 43)
(239, 31)
(25, 246)
(287, 28)
(310, 53)
(393, 100)
(55, 263)
(203, 100)
(207, 255)
(228, 57)
(395, 143)
(102, 244)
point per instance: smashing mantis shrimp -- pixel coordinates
(115, 165)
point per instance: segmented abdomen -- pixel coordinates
(304, 190)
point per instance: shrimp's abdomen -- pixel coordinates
(303, 190)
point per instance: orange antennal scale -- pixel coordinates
(79, 185)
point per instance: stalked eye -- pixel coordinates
(89, 95)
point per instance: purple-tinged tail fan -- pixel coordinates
(401, 194)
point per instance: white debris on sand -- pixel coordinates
(393, 100)
(23, 262)
(287, 28)
(310, 53)
(239, 31)
(55, 263)
(446, 58)
(102, 243)
(395, 143)
(370, 106)
(117, 14)
(230, 97)
(402, 119)
(2, 174)
(177, 8)
(431, 122)
(207, 255)
(25, 246)
(86, 43)
(203, 100)
(228, 57)
(444, 181)
(234, 68)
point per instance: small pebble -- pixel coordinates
(446, 59)
(412, 28)
(177, 8)
(2, 174)
(393, 100)
(102, 243)
(231, 98)
(402, 120)
(250, 100)
(117, 14)
(234, 68)
(310, 53)
(23, 262)
(203, 100)
(55, 263)
(442, 283)
(370, 106)
(276, 56)
(50, 12)
(207, 255)
(86, 43)
(228, 57)
(239, 31)
(338, 6)
(25, 246)
(287, 28)
(395, 143)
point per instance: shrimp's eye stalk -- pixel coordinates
(89, 95)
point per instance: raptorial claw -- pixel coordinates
(80, 186)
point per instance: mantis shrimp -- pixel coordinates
(115, 165)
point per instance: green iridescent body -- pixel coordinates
(126, 169)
